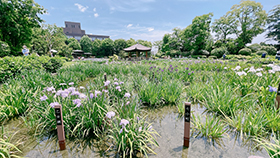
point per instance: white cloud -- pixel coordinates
(94, 9)
(150, 29)
(130, 5)
(81, 8)
(151, 36)
(96, 15)
(129, 25)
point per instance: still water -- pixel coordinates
(168, 124)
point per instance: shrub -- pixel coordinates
(4, 49)
(158, 55)
(260, 52)
(123, 54)
(53, 64)
(218, 52)
(10, 66)
(186, 54)
(212, 57)
(245, 51)
(255, 47)
(205, 52)
(65, 51)
(269, 49)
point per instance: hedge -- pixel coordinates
(10, 66)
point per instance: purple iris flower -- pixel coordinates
(272, 89)
(44, 97)
(110, 114)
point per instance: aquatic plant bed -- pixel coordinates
(238, 99)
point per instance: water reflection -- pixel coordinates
(166, 121)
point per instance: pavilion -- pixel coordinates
(137, 48)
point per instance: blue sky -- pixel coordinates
(137, 19)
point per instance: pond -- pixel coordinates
(166, 121)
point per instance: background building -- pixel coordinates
(73, 29)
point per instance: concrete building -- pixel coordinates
(73, 29)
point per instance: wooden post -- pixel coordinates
(187, 124)
(147, 55)
(278, 98)
(137, 54)
(60, 126)
(105, 78)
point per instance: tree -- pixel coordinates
(274, 24)
(130, 42)
(69, 40)
(17, 19)
(48, 37)
(86, 44)
(144, 43)
(251, 19)
(224, 26)
(158, 44)
(196, 35)
(95, 49)
(74, 44)
(107, 47)
(119, 45)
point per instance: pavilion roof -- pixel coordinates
(137, 47)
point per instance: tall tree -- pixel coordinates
(48, 37)
(130, 42)
(74, 44)
(201, 31)
(86, 44)
(107, 47)
(224, 26)
(96, 46)
(144, 43)
(251, 19)
(274, 24)
(119, 44)
(17, 19)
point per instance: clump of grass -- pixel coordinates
(272, 146)
(132, 136)
(7, 149)
(213, 127)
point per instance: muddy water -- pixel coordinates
(166, 122)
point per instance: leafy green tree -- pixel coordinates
(74, 44)
(224, 26)
(195, 36)
(4, 49)
(48, 37)
(65, 51)
(119, 45)
(86, 44)
(187, 38)
(107, 47)
(130, 42)
(144, 43)
(96, 46)
(17, 19)
(274, 24)
(165, 43)
(69, 40)
(159, 44)
(251, 20)
(175, 42)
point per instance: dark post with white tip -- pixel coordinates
(60, 127)
(187, 124)
(278, 97)
(105, 78)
